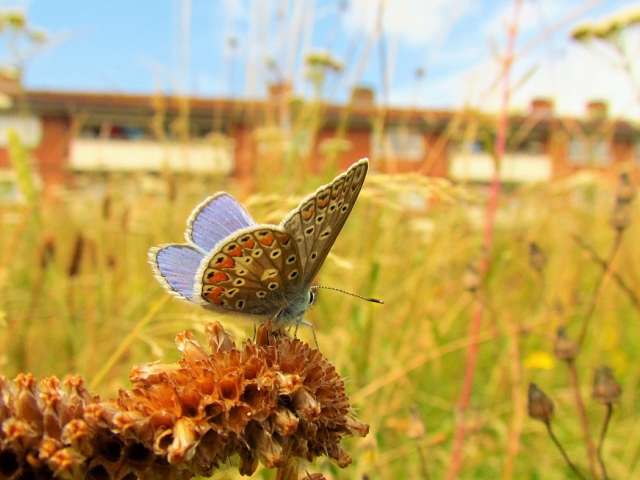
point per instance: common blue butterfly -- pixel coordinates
(231, 263)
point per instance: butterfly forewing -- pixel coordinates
(317, 221)
(253, 271)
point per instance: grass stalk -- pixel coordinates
(599, 286)
(583, 418)
(563, 452)
(615, 276)
(603, 434)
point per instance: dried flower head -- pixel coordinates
(606, 389)
(471, 278)
(537, 257)
(620, 217)
(540, 406)
(564, 347)
(626, 191)
(271, 401)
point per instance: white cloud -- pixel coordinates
(417, 22)
(571, 79)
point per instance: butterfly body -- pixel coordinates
(233, 264)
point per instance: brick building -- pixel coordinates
(79, 133)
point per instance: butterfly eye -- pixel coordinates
(312, 297)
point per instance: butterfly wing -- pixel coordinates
(317, 221)
(214, 219)
(175, 267)
(257, 270)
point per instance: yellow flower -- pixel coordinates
(539, 361)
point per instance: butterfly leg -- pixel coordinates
(313, 331)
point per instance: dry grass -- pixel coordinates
(75, 285)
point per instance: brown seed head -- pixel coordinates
(626, 191)
(537, 258)
(564, 347)
(540, 406)
(606, 389)
(620, 217)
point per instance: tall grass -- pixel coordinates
(75, 289)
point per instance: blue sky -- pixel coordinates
(141, 47)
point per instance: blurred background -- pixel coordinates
(504, 144)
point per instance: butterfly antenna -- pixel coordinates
(361, 297)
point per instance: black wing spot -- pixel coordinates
(293, 274)
(273, 286)
(291, 259)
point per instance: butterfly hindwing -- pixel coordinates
(317, 221)
(253, 271)
(214, 219)
(175, 267)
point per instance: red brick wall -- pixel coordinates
(52, 153)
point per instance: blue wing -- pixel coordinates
(214, 219)
(175, 267)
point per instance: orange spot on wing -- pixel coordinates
(228, 262)
(267, 240)
(214, 295)
(249, 243)
(307, 213)
(284, 239)
(236, 251)
(217, 277)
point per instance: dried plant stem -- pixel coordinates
(455, 464)
(517, 396)
(598, 288)
(603, 434)
(622, 284)
(562, 451)
(582, 416)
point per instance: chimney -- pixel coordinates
(280, 91)
(362, 96)
(541, 107)
(597, 109)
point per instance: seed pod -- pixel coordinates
(626, 190)
(540, 406)
(537, 258)
(620, 217)
(564, 348)
(606, 389)
(471, 278)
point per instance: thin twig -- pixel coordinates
(633, 297)
(582, 415)
(598, 288)
(603, 434)
(566, 458)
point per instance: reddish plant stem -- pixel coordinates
(455, 464)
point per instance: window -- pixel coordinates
(28, 129)
(588, 152)
(399, 143)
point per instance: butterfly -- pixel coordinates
(230, 263)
